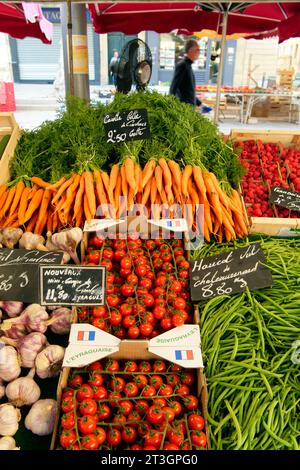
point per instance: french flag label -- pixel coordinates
(86, 335)
(184, 355)
(173, 223)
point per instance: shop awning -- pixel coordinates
(163, 17)
(23, 20)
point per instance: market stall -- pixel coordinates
(158, 248)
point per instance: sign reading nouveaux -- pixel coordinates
(229, 273)
(127, 125)
(72, 285)
(285, 198)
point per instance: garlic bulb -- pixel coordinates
(12, 308)
(48, 362)
(9, 364)
(23, 391)
(11, 236)
(62, 321)
(16, 331)
(8, 443)
(32, 241)
(30, 346)
(41, 418)
(9, 419)
(2, 389)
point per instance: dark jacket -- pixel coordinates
(183, 83)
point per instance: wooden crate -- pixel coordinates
(8, 126)
(280, 227)
(286, 138)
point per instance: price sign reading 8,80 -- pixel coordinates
(19, 282)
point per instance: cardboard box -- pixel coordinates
(186, 337)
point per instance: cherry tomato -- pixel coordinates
(134, 418)
(143, 429)
(99, 323)
(112, 365)
(184, 274)
(131, 389)
(126, 263)
(94, 257)
(68, 420)
(95, 366)
(100, 393)
(141, 406)
(166, 390)
(177, 320)
(127, 290)
(131, 366)
(88, 407)
(187, 378)
(176, 287)
(85, 391)
(147, 283)
(179, 303)
(159, 366)
(169, 413)
(176, 406)
(176, 437)
(115, 318)
(99, 312)
(97, 242)
(125, 309)
(175, 368)
(113, 300)
(196, 422)
(119, 332)
(76, 381)
(141, 380)
(124, 272)
(169, 446)
(67, 438)
(148, 391)
(104, 412)
(173, 380)
(129, 434)
(166, 323)
(87, 424)
(159, 312)
(144, 366)
(119, 255)
(150, 275)
(110, 288)
(83, 315)
(133, 332)
(119, 244)
(114, 399)
(100, 435)
(119, 419)
(107, 264)
(132, 279)
(146, 329)
(150, 245)
(125, 407)
(95, 379)
(155, 415)
(128, 321)
(89, 442)
(136, 447)
(153, 438)
(159, 402)
(198, 438)
(190, 402)
(183, 390)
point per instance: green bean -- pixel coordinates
(277, 438)
(236, 424)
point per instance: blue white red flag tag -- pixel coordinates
(174, 225)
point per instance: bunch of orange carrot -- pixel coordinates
(69, 202)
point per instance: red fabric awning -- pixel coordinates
(163, 17)
(22, 21)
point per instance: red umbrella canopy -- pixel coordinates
(163, 17)
(22, 20)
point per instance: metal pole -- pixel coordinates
(221, 66)
(64, 38)
(80, 52)
(70, 49)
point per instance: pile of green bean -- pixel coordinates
(248, 341)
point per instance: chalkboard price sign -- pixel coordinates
(19, 282)
(19, 256)
(72, 285)
(285, 198)
(229, 273)
(126, 125)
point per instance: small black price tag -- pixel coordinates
(126, 125)
(285, 198)
(229, 273)
(72, 285)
